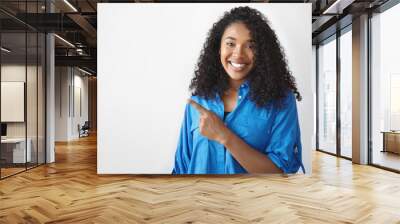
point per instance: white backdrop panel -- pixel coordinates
(146, 59)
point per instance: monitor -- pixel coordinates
(3, 129)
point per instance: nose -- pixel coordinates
(238, 51)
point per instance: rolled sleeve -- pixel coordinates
(284, 148)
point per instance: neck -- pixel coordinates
(235, 84)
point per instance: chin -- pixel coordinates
(237, 77)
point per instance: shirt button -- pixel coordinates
(240, 97)
(242, 86)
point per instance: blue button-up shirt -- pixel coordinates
(271, 130)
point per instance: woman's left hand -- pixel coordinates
(210, 124)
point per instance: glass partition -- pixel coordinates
(41, 86)
(22, 77)
(327, 96)
(32, 96)
(346, 93)
(14, 153)
(385, 89)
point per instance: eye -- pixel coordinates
(251, 45)
(230, 44)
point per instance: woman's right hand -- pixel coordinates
(210, 125)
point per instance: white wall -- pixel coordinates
(80, 102)
(61, 103)
(144, 70)
(68, 82)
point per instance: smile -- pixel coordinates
(237, 66)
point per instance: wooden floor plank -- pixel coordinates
(70, 191)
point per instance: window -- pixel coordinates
(385, 89)
(327, 96)
(346, 93)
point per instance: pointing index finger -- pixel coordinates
(198, 107)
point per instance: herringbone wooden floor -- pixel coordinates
(70, 191)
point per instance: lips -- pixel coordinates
(237, 66)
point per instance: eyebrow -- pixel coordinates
(232, 38)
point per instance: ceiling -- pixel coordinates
(76, 22)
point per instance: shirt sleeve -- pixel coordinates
(185, 144)
(284, 148)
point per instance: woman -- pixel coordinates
(242, 115)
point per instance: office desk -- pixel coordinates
(391, 141)
(13, 150)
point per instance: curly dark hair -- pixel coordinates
(269, 79)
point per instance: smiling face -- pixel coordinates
(237, 51)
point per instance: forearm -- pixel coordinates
(251, 159)
(213, 128)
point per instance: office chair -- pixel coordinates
(84, 130)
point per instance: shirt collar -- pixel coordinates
(245, 84)
(244, 89)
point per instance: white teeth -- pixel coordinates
(237, 65)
